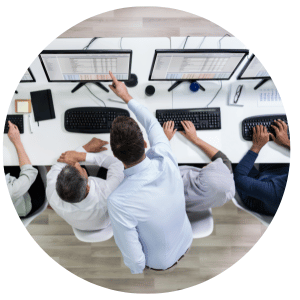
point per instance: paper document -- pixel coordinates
(269, 97)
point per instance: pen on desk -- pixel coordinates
(119, 101)
(30, 125)
(238, 93)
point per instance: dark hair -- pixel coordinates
(71, 185)
(126, 140)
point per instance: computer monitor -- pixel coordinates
(85, 66)
(253, 69)
(196, 64)
(28, 76)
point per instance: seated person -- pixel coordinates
(25, 186)
(261, 191)
(211, 186)
(81, 200)
(147, 210)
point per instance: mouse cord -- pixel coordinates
(95, 95)
(216, 94)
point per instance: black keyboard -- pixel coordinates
(92, 119)
(202, 118)
(266, 120)
(15, 119)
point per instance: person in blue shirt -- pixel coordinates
(147, 210)
(262, 190)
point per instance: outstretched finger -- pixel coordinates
(103, 149)
(279, 124)
(114, 79)
(275, 129)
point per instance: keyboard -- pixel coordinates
(202, 118)
(15, 119)
(266, 120)
(92, 119)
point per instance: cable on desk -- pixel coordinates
(216, 94)
(185, 41)
(121, 42)
(89, 44)
(222, 39)
(202, 42)
(95, 95)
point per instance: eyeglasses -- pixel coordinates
(238, 93)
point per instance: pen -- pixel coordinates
(30, 127)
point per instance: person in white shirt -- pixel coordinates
(81, 200)
(24, 183)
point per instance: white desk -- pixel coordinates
(229, 138)
(50, 139)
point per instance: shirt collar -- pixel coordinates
(138, 168)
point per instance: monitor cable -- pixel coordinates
(202, 42)
(219, 42)
(216, 94)
(185, 41)
(89, 44)
(95, 95)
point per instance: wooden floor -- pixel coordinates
(235, 232)
(144, 22)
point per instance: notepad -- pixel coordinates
(22, 106)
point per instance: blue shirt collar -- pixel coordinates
(138, 168)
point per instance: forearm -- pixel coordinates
(224, 158)
(22, 155)
(246, 164)
(209, 150)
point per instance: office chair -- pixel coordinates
(27, 221)
(202, 223)
(265, 220)
(93, 236)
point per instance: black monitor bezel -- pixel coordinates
(85, 52)
(33, 79)
(245, 51)
(245, 68)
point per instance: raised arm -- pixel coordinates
(154, 130)
(126, 237)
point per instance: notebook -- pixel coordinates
(42, 105)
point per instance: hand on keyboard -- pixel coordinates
(189, 131)
(260, 138)
(281, 134)
(169, 129)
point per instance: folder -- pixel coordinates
(42, 105)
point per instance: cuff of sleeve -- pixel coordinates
(253, 154)
(89, 157)
(80, 149)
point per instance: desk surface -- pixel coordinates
(50, 139)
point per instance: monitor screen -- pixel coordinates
(28, 76)
(199, 64)
(86, 65)
(253, 70)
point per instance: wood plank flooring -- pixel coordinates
(235, 233)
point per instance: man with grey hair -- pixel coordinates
(81, 200)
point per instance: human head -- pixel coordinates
(72, 183)
(126, 140)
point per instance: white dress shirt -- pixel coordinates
(91, 213)
(147, 210)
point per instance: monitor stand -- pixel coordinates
(261, 83)
(176, 84)
(81, 84)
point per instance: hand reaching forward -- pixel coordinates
(95, 145)
(282, 137)
(260, 138)
(189, 131)
(119, 88)
(169, 129)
